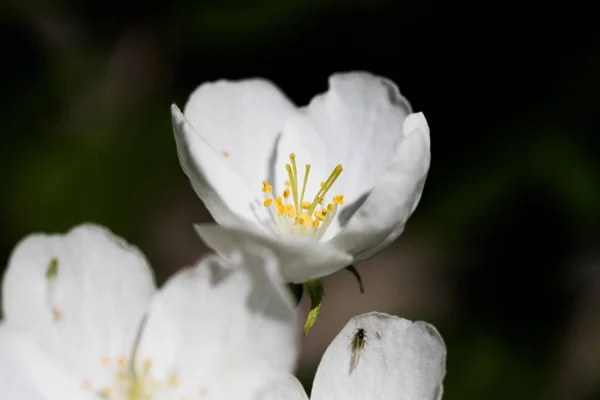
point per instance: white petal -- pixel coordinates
(381, 218)
(221, 327)
(91, 307)
(284, 387)
(243, 119)
(359, 120)
(28, 373)
(223, 191)
(400, 360)
(300, 259)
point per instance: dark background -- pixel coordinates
(502, 254)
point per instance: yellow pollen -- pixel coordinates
(293, 210)
(267, 188)
(319, 215)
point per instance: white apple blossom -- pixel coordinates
(82, 320)
(398, 359)
(325, 186)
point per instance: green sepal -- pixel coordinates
(297, 290)
(315, 292)
(352, 269)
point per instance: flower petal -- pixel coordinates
(400, 360)
(359, 120)
(223, 192)
(222, 327)
(27, 372)
(285, 387)
(241, 120)
(381, 218)
(300, 259)
(81, 295)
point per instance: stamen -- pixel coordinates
(307, 171)
(299, 217)
(320, 215)
(267, 188)
(328, 183)
(339, 199)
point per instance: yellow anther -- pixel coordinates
(304, 219)
(286, 193)
(287, 183)
(330, 207)
(315, 224)
(281, 210)
(267, 188)
(278, 201)
(319, 215)
(121, 360)
(322, 184)
(268, 202)
(291, 211)
(104, 361)
(305, 204)
(339, 199)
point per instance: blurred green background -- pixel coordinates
(502, 254)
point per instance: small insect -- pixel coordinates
(358, 344)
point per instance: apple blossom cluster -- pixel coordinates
(296, 194)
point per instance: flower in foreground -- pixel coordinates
(83, 321)
(397, 359)
(324, 186)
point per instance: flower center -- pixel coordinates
(296, 217)
(130, 385)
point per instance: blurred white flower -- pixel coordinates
(83, 321)
(324, 186)
(397, 359)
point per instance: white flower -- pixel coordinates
(397, 359)
(257, 162)
(83, 321)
